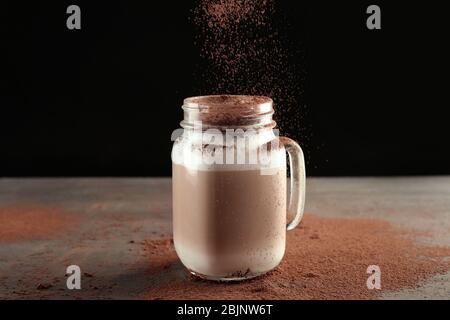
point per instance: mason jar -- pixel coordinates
(230, 200)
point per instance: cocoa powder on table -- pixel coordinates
(326, 258)
(34, 221)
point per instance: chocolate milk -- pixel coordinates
(229, 223)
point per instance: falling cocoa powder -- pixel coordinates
(245, 50)
(326, 258)
(30, 222)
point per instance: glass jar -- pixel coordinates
(229, 187)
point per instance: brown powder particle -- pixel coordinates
(30, 222)
(333, 266)
(44, 286)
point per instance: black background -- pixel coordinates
(104, 100)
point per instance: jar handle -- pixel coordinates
(298, 181)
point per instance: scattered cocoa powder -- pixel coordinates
(44, 286)
(34, 221)
(326, 258)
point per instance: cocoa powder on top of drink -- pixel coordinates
(326, 258)
(230, 110)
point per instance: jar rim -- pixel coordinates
(229, 101)
(229, 111)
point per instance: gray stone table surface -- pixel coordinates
(132, 210)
